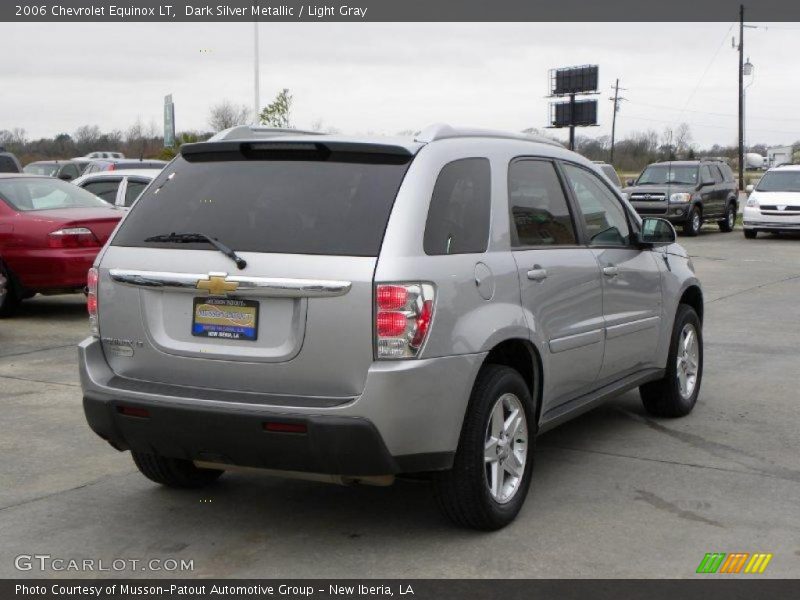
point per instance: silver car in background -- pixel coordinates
(120, 188)
(355, 309)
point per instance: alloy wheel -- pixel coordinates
(506, 448)
(688, 361)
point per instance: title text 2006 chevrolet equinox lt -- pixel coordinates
(362, 308)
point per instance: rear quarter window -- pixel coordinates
(458, 215)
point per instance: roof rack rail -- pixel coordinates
(256, 132)
(442, 131)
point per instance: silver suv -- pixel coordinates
(356, 309)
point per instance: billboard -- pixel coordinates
(585, 113)
(574, 80)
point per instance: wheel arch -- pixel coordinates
(693, 296)
(522, 356)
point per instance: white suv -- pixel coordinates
(774, 204)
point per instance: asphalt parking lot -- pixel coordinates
(615, 492)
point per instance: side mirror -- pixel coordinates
(65, 176)
(630, 182)
(749, 189)
(657, 232)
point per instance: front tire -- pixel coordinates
(676, 393)
(173, 472)
(694, 221)
(729, 223)
(491, 474)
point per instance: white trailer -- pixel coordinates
(779, 155)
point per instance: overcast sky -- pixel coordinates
(384, 78)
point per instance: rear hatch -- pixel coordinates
(296, 322)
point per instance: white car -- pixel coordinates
(103, 154)
(774, 203)
(119, 188)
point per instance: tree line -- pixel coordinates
(631, 153)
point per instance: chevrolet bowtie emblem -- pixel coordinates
(216, 285)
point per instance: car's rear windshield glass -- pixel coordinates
(780, 181)
(336, 207)
(668, 174)
(41, 169)
(27, 194)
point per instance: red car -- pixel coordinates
(50, 233)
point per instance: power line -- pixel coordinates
(706, 112)
(708, 66)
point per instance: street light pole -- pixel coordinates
(741, 97)
(256, 73)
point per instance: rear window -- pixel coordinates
(47, 169)
(338, 205)
(32, 193)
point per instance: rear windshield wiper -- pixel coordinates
(189, 238)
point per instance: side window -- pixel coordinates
(705, 174)
(458, 216)
(70, 170)
(539, 212)
(107, 190)
(716, 174)
(603, 215)
(133, 190)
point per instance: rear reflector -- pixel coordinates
(134, 411)
(286, 427)
(92, 278)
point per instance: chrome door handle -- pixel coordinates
(537, 273)
(610, 271)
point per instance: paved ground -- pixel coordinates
(615, 493)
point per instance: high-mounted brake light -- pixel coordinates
(403, 316)
(72, 237)
(91, 301)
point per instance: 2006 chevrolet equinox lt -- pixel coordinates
(356, 309)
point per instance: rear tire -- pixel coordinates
(488, 493)
(729, 223)
(750, 234)
(9, 298)
(676, 393)
(173, 472)
(694, 221)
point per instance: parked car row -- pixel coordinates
(51, 230)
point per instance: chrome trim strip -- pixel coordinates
(272, 287)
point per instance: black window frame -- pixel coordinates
(512, 230)
(489, 215)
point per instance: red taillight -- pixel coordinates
(72, 237)
(134, 411)
(92, 278)
(111, 167)
(279, 427)
(391, 324)
(402, 319)
(391, 297)
(423, 324)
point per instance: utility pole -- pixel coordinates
(257, 76)
(741, 97)
(616, 100)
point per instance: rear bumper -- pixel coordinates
(52, 268)
(408, 419)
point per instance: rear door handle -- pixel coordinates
(537, 273)
(610, 271)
